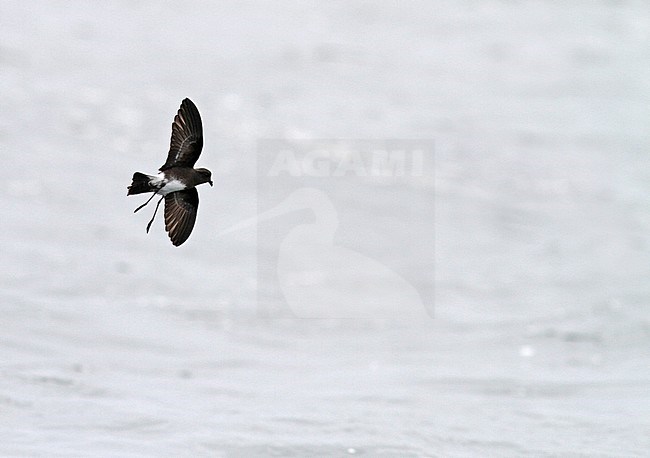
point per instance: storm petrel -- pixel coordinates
(178, 178)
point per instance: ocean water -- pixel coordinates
(524, 247)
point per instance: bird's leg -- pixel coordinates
(154, 213)
(144, 204)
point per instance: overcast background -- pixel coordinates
(528, 239)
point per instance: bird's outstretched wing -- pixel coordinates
(187, 137)
(180, 214)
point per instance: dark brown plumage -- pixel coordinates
(177, 178)
(187, 137)
(180, 214)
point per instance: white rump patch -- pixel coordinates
(168, 185)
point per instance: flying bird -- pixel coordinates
(176, 183)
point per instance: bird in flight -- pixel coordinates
(177, 180)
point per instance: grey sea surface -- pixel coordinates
(535, 340)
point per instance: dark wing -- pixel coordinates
(187, 137)
(180, 214)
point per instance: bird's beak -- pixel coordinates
(211, 184)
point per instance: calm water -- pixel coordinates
(536, 341)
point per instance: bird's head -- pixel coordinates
(206, 176)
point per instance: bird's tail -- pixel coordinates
(141, 184)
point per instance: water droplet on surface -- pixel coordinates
(526, 351)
